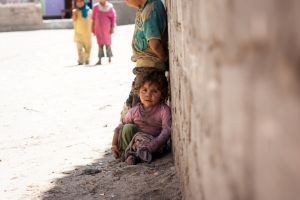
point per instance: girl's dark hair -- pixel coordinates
(159, 78)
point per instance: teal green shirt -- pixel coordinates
(150, 23)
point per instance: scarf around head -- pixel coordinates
(84, 10)
(105, 8)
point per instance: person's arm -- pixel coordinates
(93, 26)
(114, 144)
(157, 48)
(93, 19)
(165, 133)
(154, 28)
(113, 20)
(74, 14)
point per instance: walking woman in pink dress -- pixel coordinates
(104, 21)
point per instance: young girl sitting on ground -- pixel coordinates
(146, 127)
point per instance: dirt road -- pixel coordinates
(57, 118)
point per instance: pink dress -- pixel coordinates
(104, 18)
(155, 122)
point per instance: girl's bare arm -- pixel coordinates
(157, 48)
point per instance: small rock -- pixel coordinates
(91, 171)
(66, 172)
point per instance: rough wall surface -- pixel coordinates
(235, 76)
(125, 14)
(20, 16)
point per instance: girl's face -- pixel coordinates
(150, 94)
(102, 2)
(79, 3)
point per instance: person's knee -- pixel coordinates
(129, 127)
(128, 131)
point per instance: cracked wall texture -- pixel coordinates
(235, 89)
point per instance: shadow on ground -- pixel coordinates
(108, 178)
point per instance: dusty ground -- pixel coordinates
(57, 119)
(110, 179)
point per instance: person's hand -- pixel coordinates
(151, 147)
(115, 151)
(75, 15)
(111, 30)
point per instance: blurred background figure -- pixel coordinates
(82, 18)
(104, 21)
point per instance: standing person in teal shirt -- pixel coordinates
(149, 44)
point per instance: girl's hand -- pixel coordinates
(111, 30)
(152, 147)
(115, 151)
(74, 15)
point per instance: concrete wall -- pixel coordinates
(18, 1)
(235, 75)
(125, 14)
(28, 16)
(54, 7)
(20, 16)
